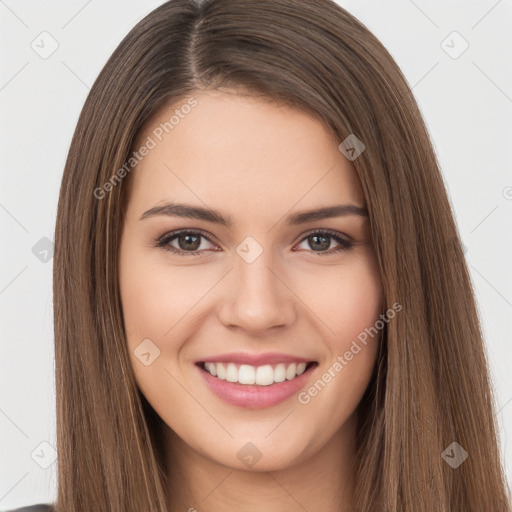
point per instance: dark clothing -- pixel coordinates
(34, 508)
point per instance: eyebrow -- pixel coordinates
(198, 212)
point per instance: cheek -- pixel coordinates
(157, 298)
(347, 300)
(349, 304)
(359, 306)
(157, 304)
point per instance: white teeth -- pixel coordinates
(291, 371)
(232, 373)
(301, 367)
(280, 373)
(262, 375)
(221, 371)
(246, 374)
(211, 367)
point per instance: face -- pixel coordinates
(271, 299)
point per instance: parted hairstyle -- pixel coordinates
(430, 385)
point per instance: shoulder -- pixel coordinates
(34, 508)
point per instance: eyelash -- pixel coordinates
(163, 241)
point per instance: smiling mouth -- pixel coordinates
(265, 375)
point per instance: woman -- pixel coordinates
(261, 301)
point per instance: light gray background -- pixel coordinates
(466, 102)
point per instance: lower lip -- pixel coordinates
(252, 396)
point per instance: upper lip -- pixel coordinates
(255, 359)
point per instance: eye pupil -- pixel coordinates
(324, 245)
(188, 237)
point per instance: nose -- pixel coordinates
(257, 297)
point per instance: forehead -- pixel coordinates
(240, 151)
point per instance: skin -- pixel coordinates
(258, 163)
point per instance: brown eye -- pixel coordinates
(320, 241)
(188, 242)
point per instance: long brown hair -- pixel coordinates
(430, 386)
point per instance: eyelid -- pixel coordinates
(345, 242)
(329, 232)
(163, 241)
(182, 231)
